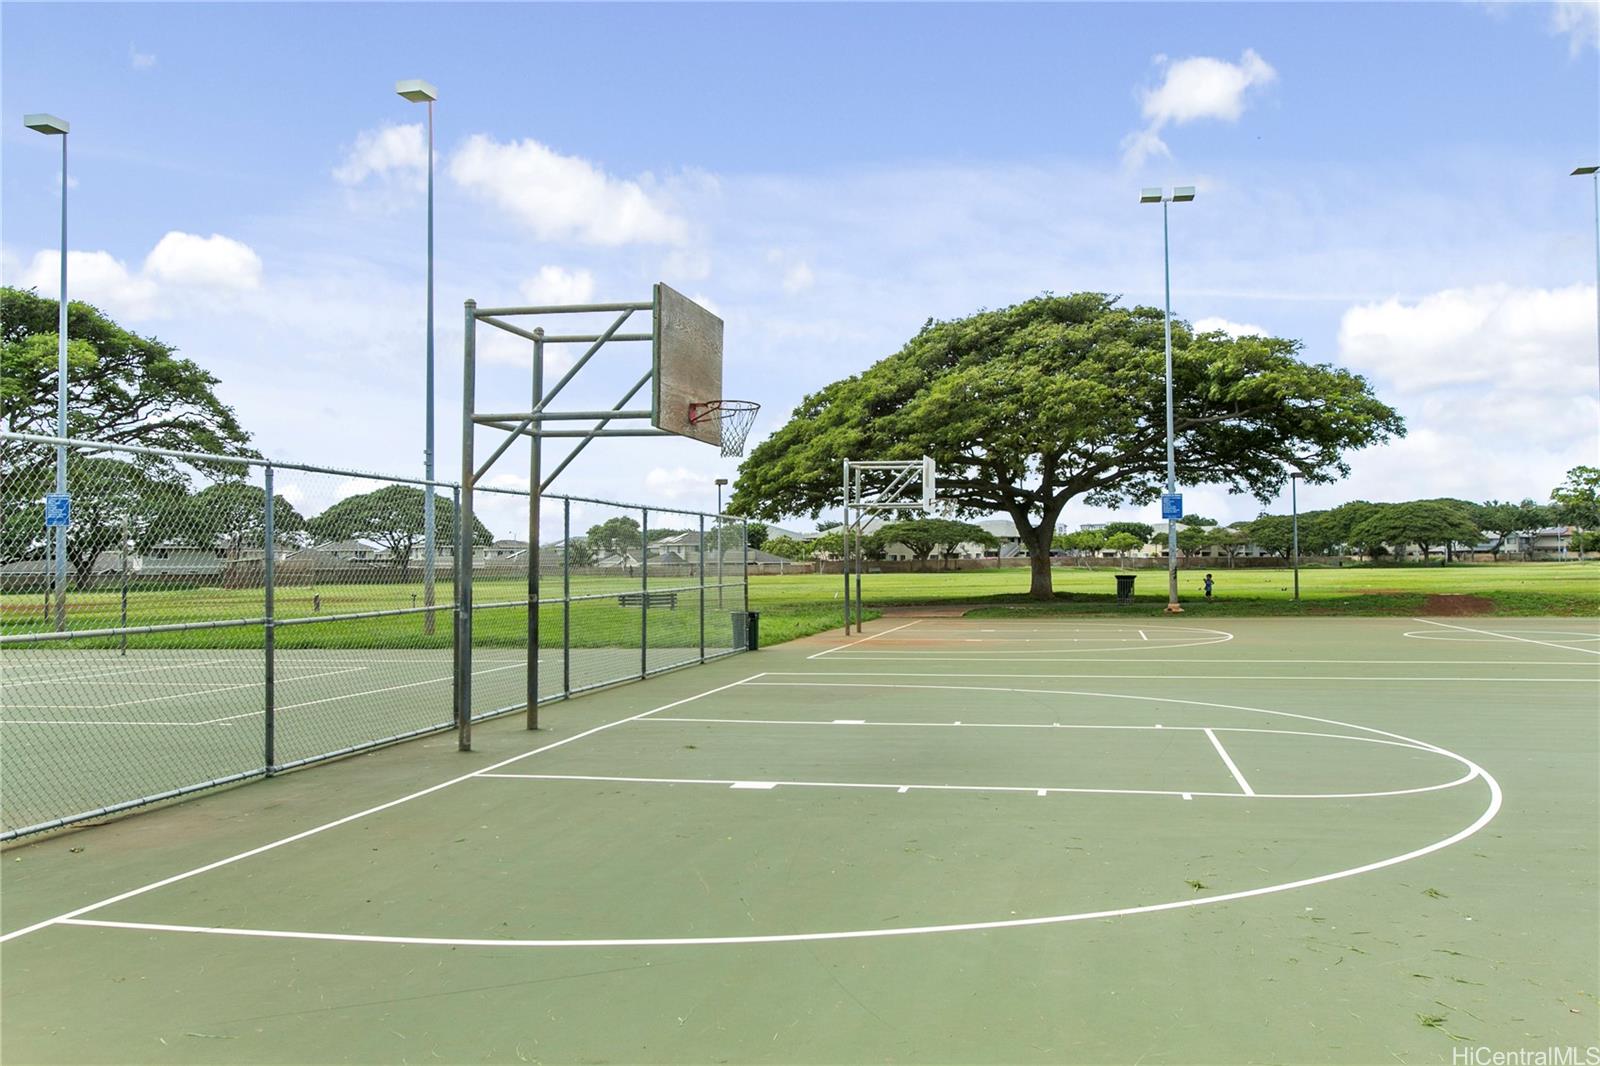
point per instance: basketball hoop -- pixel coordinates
(733, 418)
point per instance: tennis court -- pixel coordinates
(947, 839)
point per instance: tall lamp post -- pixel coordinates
(420, 92)
(1594, 174)
(721, 481)
(50, 125)
(1182, 194)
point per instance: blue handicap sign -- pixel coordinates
(57, 510)
(1171, 506)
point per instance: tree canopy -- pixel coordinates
(121, 388)
(926, 536)
(392, 516)
(1425, 523)
(1063, 397)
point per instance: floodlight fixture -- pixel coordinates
(1183, 194)
(1584, 170)
(47, 124)
(1149, 196)
(416, 90)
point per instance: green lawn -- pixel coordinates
(798, 605)
(1505, 589)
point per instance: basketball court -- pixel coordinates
(946, 839)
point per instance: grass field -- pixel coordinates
(798, 605)
(1533, 589)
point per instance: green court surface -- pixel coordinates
(944, 840)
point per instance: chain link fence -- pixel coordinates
(200, 620)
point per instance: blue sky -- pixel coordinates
(1387, 183)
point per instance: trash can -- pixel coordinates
(1125, 587)
(747, 630)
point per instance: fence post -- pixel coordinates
(644, 592)
(530, 675)
(744, 566)
(463, 656)
(702, 588)
(268, 575)
(566, 597)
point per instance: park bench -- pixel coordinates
(648, 599)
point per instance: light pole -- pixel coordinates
(1181, 194)
(721, 481)
(418, 91)
(1594, 175)
(53, 126)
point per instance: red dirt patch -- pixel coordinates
(1457, 605)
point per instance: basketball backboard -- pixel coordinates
(687, 358)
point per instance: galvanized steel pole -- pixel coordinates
(429, 539)
(463, 538)
(535, 457)
(1172, 474)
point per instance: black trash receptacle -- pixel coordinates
(747, 630)
(1125, 587)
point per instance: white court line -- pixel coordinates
(1508, 636)
(738, 783)
(934, 656)
(303, 834)
(1046, 725)
(1191, 677)
(1496, 801)
(863, 640)
(1214, 660)
(170, 665)
(1142, 636)
(1228, 761)
(227, 717)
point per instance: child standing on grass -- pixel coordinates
(1208, 586)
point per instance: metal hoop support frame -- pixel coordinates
(888, 485)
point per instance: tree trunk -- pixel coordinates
(1040, 587)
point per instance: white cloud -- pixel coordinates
(564, 197)
(390, 153)
(798, 278)
(215, 261)
(181, 266)
(1496, 382)
(1531, 339)
(1199, 87)
(98, 277)
(680, 483)
(557, 285)
(1232, 329)
(1579, 20)
(140, 60)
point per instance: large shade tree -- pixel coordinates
(1061, 398)
(392, 516)
(121, 388)
(1425, 523)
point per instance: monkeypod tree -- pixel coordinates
(392, 516)
(1425, 523)
(1063, 397)
(944, 536)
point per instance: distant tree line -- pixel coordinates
(1374, 530)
